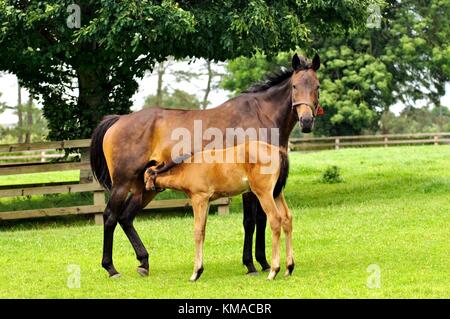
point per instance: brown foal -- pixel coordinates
(253, 166)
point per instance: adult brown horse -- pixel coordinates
(122, 147)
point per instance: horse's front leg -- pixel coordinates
(200, 204)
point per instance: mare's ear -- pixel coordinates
(315, 62)
(298, 63)
(295, 62)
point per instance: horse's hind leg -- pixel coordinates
(286, 222)
(134, 205)
(250, 202)
(115, 204)
(200, 204)
(260, 242)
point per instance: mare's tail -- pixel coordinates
(98, 160)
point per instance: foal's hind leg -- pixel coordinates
(134, 205)
(286, 222)
(270, 208)
(200, 204)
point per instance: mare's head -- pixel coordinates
(305, 91)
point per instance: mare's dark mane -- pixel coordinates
(272, 79)
(278, 77)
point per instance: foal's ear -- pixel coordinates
(315, 62)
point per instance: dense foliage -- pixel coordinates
(84, 73)
(368, 70)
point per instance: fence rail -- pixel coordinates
(35, 151)
(337, 142)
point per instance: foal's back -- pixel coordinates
(227, 172)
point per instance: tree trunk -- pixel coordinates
(93, 96)
(208, 85)
(19, 114)
(29, 120)
(384, 128)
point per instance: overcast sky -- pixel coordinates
(147, 86)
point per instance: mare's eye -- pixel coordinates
(294, 86)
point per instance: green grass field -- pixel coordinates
(391, 210)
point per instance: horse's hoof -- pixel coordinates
(253, 273)
(142, 271)
(115, 276)
(266, 269)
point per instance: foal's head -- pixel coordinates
(305, 91)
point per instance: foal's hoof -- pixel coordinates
(196, 275)
(142, 271)
(273, 274)
(253, 273)
(115, 276)
(289, 270)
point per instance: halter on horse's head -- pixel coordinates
(305, 91)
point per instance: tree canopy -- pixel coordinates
(366, 71)
(84, 73)
(178, 99)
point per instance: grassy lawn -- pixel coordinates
(391, 210)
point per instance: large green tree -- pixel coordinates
(367, 70)
(178, 99)
(84, 73)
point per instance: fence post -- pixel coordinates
(85, 174)
(385, 141)
(224, 209)
(42, 156)
(436, 140)
(336, 143)
(99, 200)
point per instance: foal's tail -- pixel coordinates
(284, 172)
(98, 160)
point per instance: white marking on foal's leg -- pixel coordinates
(273, 274)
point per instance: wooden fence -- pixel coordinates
(41, 153)
(84, 185)
(337, 142)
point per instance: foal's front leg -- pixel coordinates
(200, 204)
